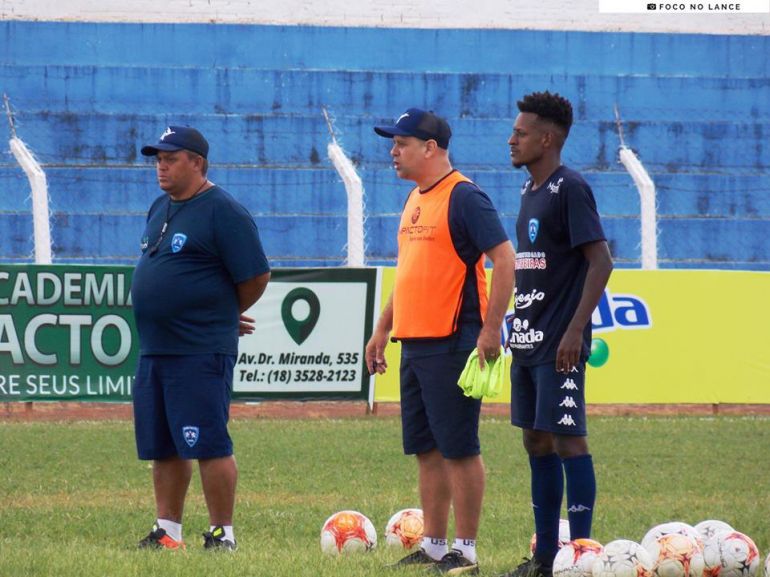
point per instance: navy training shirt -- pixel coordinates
(475, 228)
(554, 221)
(184, 296)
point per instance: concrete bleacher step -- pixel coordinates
(301, 141)
(373, 95)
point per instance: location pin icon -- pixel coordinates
(299, 330)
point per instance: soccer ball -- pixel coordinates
(648, 541)
(576, 558)
(712, 527)
(731, 554)
(564, 537)
(347, 532)
(623, 558)
(405, 529)
(676, 555)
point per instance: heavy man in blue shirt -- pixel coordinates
(202, 266)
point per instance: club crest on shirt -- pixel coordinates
(190, 435)
(416, 215)
(177, 241)
(144, 244)
(534, 226)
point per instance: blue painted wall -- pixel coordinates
(88, 96)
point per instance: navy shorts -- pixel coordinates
(434, 411)
(182, 405)
(546, 400)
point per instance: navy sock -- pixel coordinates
(581, 495)
(547, 491)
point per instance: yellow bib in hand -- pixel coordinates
(487, 383)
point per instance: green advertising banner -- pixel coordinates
(66, 333)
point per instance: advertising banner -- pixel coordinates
(66, 333)
(665, 337)
(311, 330)
(670, 336)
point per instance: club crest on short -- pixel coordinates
(190, 435)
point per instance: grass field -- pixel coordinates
(74, 500)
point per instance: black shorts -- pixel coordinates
(182, 405)
(546, 400)
(434, 411)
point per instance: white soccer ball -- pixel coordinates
(712, 527)
(730, 554)
(564, 536)
(667, 529)
(576, 558)
(623, 558)
(347, 532)
(676, 555)
(405, 529)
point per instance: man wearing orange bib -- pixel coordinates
(439, 311)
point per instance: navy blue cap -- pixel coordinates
(420, 124)
(179, 138)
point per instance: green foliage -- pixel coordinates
(74, 500)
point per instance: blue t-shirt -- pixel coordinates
(475, 228)
(184, 294)
(554, 221)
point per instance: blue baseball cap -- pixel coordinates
(420, 124)
(179, 138)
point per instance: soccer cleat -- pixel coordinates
(417, 559)
(454, 563)
(215, 539)
(530, 568)
(158, 539)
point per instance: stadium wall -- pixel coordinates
(695, 104)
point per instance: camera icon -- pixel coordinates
(652, 6)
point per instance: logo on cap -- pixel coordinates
(400, 118)
(167, 132)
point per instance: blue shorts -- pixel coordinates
(545, 400)
(182, 405)
(434, 411)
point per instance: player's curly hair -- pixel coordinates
(553, 107)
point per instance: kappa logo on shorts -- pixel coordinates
(568, 402)
(569, 384)
(567, 420)
(177, 241)
(190, 435)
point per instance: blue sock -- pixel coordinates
(581, 495)
(547, 492)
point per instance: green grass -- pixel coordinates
(74, 499)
